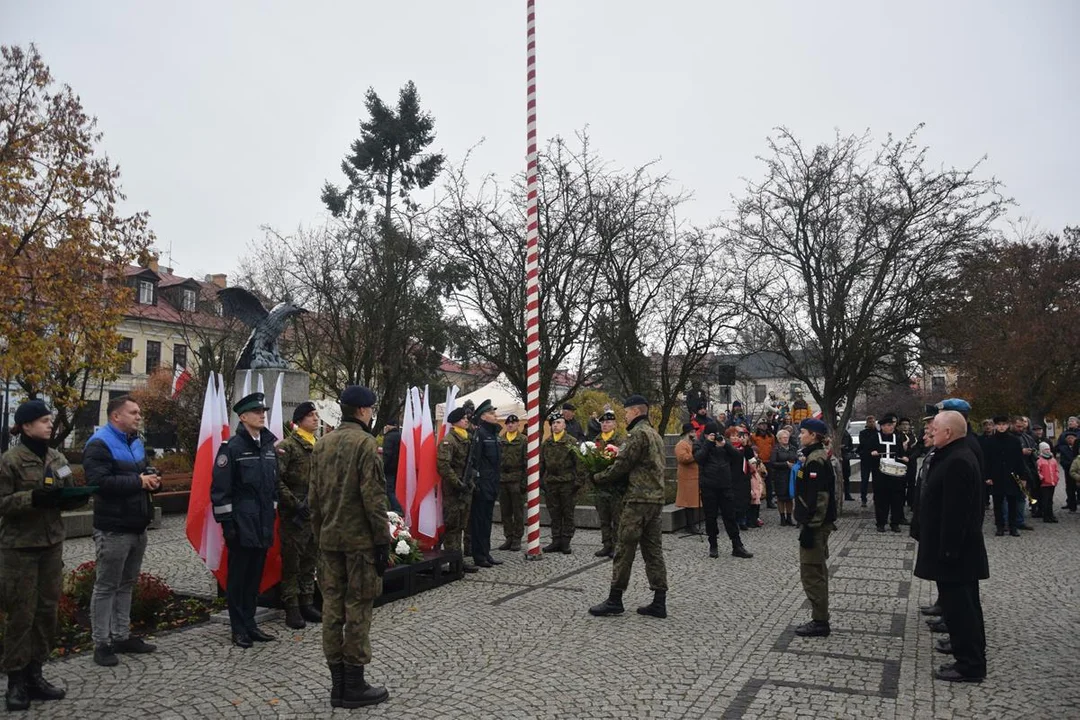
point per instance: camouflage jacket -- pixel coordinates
(513, 459)
(452, 455)
(642, 462)
(558, 461)
(21, 524)
(612, 488)
(347, 491)
(815, 489)
(294, 473)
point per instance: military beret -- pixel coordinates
(814, 425)
(485, 407)
(457, 415)
(608, 415)
(357, 396)
(568, 406)
(28, 412)
(958, 404)
(633, 400)
(555, 416)
(302, 411)
(254, 401)
(511, 418)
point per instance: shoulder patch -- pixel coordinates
(222, 460)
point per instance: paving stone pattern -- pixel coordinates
(516, 641)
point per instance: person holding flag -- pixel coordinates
(244, 493)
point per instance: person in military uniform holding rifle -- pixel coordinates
(457, 488)
(561, 476)
(815, 511)
(31, 553)
(244, 493)
(642, 462)
(512, 483)
(608, 498)
(298, 550)
(349, 509)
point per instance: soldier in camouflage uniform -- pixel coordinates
(349, 507)
(642, 462)
(815, 511)
(562, 477)
(457, 490)
(31, 553)
(609, 497)
(512, 484)
(298, 550)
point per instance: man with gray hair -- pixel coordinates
(951, 549)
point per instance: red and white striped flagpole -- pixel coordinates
(532, 304)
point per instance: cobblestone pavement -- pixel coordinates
(516, 641)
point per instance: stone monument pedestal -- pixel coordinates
(295, 389)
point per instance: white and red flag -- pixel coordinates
(406, 469)
(427, 509)
(181, 375)
(203, 532)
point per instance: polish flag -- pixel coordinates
(271, 575)
(406, 470)
(203, 532)
(180, 379)
(426, 506)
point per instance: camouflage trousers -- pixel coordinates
(349, 586)
(456, 508)
(639, 524)
(512, 509)
(299, 555)
(609, 508)
(30, 581)
(561, 499)
(815, 574)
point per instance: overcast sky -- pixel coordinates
(226, 116)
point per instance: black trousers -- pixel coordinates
(888, 498)
(864, 478)
(845, 466)
(242, 585)
(964, 616)
(1070, 491)
(480, 515)
(720, 501)
(1046, 501)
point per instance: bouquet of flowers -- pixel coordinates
(404, 550)
(596, 457)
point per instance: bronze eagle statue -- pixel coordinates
(261, 350)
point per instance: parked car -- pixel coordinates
(855, 427)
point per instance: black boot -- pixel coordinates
(17, 697)
(740, 551)
(658, 607)
(310, 613)
(554, 547)
(293, 618)
(357, 692)
(612, 606)
(337, 683)
(814, 628)
(38, 687)
(506, 545)
(714, 552)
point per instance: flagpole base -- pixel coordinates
(538, 555)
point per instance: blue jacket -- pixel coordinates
(113, 463)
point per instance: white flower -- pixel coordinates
(402, 548)
(394, 517)
(584, 448)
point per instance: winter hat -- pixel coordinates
(1044, 450)
(711, 428)
(28, 412)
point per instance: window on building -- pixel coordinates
(760, 392)
(179, 356)
(153, 356)
(937, 383)
(125, 347)
(146, 292)
(187, 300)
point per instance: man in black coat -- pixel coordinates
(573, 426)
(487, 462)
(1006, 471)
(391, 450)
(714, 456)
(951, 550)
(244, 494)
(867, 463)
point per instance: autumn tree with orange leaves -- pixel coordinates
(63, 244)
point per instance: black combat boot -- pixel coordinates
(17, 697)
(337, 683)
(554, 547)
(612, 606)
(357, 692)
(814, 628)
(658, 607)
(740, 551)
(38, 688)
(293, 618)
(714, 551)
(309, 612)
(506, 545)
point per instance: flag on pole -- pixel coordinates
(203, 532)
(180, 379)
(274, 419)
(426, 530)
(260, 385)
(272, 569)
(406, 471)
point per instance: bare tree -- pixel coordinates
(841, 248)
